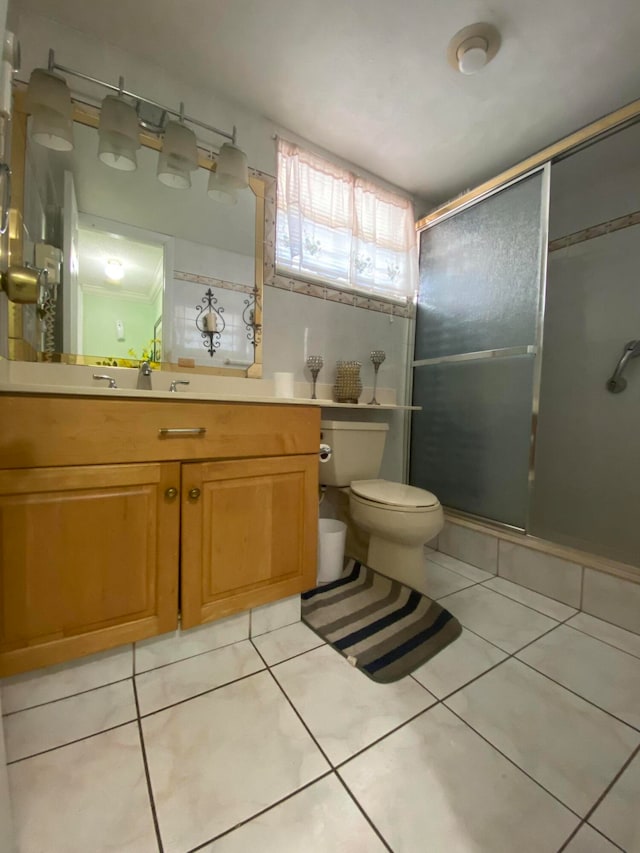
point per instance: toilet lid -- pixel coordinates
(394, 494)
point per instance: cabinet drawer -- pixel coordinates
(38, 430)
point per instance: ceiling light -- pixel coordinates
(49, 102)
(114, 269)
(179, 156)
(118, 132)
(233, 167)
(221, 190)
(473, 47)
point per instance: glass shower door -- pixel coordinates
(587, 471)
(478, 327)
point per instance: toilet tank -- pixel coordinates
(357, 451)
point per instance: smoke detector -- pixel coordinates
(473, 47)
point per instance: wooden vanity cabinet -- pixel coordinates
(247, 529)
(88, 560)
(105, 517)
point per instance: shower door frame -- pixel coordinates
(532, 349)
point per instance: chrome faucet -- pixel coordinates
(144, 377)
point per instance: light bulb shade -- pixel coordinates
(172, 172)
(118, 132)
(220, 190)
(233, 166)
(117, 116)
(114, 269)
(117, 151)
(52, 130)
(179, 156)
(47, 90)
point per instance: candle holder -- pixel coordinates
(314, 363)
(377, 357)
(210, 322)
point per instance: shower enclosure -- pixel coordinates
(529, 302)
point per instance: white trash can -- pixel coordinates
(331, 538)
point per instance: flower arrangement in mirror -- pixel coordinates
(135, 360)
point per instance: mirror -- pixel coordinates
(145, 271)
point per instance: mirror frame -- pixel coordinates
(262, 184)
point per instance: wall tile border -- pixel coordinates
(330, 294)
(181, 275)
(595, 231)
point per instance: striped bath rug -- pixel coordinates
(381, 626)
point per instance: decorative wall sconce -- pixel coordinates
(210, 322)
(122, 114)
(249, 318)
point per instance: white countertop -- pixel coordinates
(76, 380)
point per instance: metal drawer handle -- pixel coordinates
(171, 492)
(165, 432)
(194, 494)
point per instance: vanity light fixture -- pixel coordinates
(49, 102)
(221, 190)
(118, 133)
(473, 47)
(114, 270)
(179, 155)
(233, 169)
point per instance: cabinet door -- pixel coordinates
(89, 560)
(249, 533)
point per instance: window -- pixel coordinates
(342, 229)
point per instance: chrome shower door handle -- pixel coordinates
(616, 383)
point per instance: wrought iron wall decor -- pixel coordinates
(249, 318)
(210, 322)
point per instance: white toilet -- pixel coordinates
(399, 519)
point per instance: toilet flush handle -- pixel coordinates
(325, 453)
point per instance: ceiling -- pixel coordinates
(142, 265)
(369, 80)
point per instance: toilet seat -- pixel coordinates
(394, 496)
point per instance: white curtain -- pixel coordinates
(343, 229)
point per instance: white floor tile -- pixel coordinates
(286, 642)
(439, 581)
(343, 708)
(88, 796)
(611, 634)
(222, 757)
(462, 660)
(178, 645)
(276, 615)
(506, 623)
(542, 603)
(48, 726)
(176, 682)
(464, 569)
(587, 840)
(571, 748)
(65, 679)
(618, 815)
(605, 676)
(436, 785)
(321, 819)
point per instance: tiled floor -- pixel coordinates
(523, 735)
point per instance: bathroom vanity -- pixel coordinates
(118, 514)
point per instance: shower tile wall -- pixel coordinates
(614, 599)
